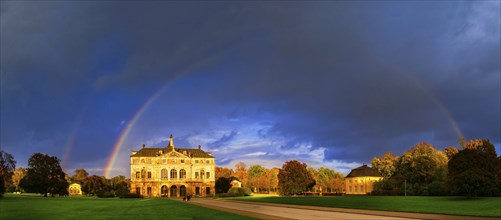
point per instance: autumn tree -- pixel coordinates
(272, 179)
(473, 171)
(7, 166)
(93, 184)
(223, 172)
(241, 173)
(44, 176)
(119, 186)
(80, 175)
(256, 175)
(294, 178)
(328, 180)
(450, 151)
(18, 175)
(385, 164)
(419, 167)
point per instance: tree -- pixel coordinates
(241, 173)
(256, 174)
(119, 186)
(450, 151)
(328, 180)
(93, 184)
(80, 175)
(272, 179)
(19, 174)
(419, 167)
(473, 171)
(7, 166)
(223, 172)
(385, 164)
(294, 178)
(44, 176)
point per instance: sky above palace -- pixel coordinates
(329, 83)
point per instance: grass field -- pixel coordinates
(439, 205)
(26, 207)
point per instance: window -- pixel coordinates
(182, 174)
(196, 175)
(207, 191)
(362, 189)
(164, 174)
(143, 174)
(350, 181)
(148, 161)
(136, 161)
(138, 190)
(356, 187)
(164, 161)
(207, 161)
(173, 174)
(208, 175)
(149, 174)
(149, 191)
(196, 161)
(350, 187)
(182, 160)
(138, 175)
(202, 174)
(197, 191)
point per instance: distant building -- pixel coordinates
(75, 189)
(172, 172)
(360, 180)
(236, 184)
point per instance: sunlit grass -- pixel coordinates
(489, 206)
(36, 207)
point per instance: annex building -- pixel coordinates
(360, 180)
(172, 172)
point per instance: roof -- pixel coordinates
(153, 152)
(363, 171)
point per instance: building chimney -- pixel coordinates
(144, 145)
(199, 147)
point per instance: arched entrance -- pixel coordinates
(182, 191)
(173, 191)
(164, 192)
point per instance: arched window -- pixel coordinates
(173, 174)
(165, 174)
(182, 174)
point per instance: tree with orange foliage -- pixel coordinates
(223, 172)
(385, 164)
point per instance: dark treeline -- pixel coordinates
(472, 170)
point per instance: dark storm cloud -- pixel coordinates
(355, 78)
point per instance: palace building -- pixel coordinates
(172, 172)
(360, 180)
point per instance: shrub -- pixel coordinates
(235, 192)
(437, 188)
(104, 194)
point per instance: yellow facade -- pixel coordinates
(360, 185)
(75, 189)
(360, 180)
(172, 172)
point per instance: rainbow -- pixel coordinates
(128, 128)
(71, 139)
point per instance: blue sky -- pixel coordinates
(329, 83)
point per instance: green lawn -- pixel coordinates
(26, 207)
(440, 205)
